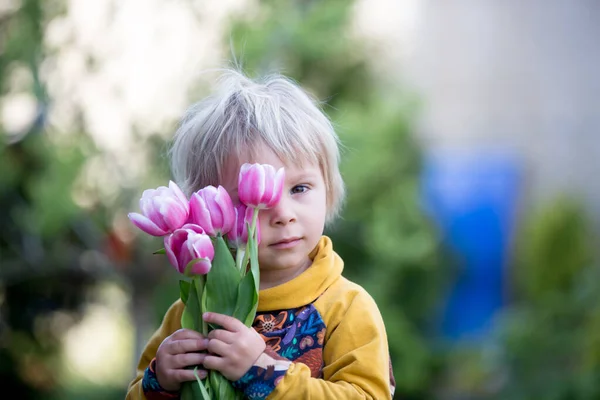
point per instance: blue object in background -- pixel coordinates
(472, 196)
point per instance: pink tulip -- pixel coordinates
(212, 209)
(163, 210)
(189, 243)
(238, 236)
(260, 186)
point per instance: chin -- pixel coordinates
(283, 262)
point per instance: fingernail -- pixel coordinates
(205, 315)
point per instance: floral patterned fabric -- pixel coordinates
(295, 335)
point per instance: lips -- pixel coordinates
(286, 241)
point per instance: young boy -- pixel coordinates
(316, 334)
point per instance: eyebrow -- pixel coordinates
(302, 175)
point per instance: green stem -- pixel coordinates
(245, 260)
(254, 219)
(251, 232)
(239, 258)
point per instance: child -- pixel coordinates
(316, 334)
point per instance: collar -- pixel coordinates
(326, 268)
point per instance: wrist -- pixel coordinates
(152, 387)
(252, 358)
(263, 375)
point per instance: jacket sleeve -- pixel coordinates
(355, 356)
(144, 386)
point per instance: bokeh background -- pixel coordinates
(471, 155)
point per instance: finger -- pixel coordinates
(187, 345)
(214, 363)
(185, 375)
(183, 333)
(222, 335)
(217, 347)
(188, 359)
(230, 323)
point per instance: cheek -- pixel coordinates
(320, 209)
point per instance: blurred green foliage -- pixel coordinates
(550, 332)
(45, 276)
(35, 240)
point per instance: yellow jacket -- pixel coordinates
(325, 339)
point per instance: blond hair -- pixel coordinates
(243, 113)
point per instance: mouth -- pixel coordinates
(286, 243)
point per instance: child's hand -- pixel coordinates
(232, 349)
(176, 352)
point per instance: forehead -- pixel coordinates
(261, 155)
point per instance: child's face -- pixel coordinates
(291, 230)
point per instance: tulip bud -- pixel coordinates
(163, 210)
(238, 236)
(212, 209)
(260, 186)
(190, 243)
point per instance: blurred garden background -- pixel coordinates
(471, 156)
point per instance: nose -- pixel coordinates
(283, 213)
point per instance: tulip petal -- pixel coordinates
(269, 176)
(199, 213)
(169, 249)
(146, 200)
(235, 234)
(278, 181)
(173, 213)
(243, 183)
(194, 228)
(199, 246)
(146, 224)
(177, 191)
(227, 209)
(150, 204)
(185, 255)
(180, 239)
(251, 185)
(204, 246)
(210, 195)
(202, 267)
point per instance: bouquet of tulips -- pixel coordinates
(214, 245)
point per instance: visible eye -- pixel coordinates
(299, 189)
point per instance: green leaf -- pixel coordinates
(221, 386)
(184, 290)
(192, 313)
(203, 391)
(247, 300)
(222, 281)
(248, 290)
(255, 273)
(160, 251)
(191, 391)
(203, 308)
(199, 283)
(187, 319)
(188, 268)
